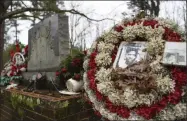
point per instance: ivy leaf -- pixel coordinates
(20, 98)
(38, 101)
(20, 112)
(27, 102)
(31, 104)
(65, 104)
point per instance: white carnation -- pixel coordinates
(176, 112)
(85, 64)
(113, 97)
(146, 99)
(180, 110)
(155, 46)
(106, 48)
(103, 59)
(104, 87)
(85, 79)
(103, 75)
(165, 84)
(129, 33)
(112, 37)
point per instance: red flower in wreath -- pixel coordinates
(57, 73)
(151, 23)
(171, 36)
(77, 76)
(64, 70)
(26, 49)
(76, 62)
(97, 113)
(98, 94)
(118, 28)
(85, 52)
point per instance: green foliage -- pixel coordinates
(6, 52)
(18, 101)
(5, 80)
(21, 112)
(63, 104)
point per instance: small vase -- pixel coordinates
(73, 85)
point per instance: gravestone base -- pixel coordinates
(50, 75)
(65, 108)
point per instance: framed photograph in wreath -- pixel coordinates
(129, 53)
(175, 53)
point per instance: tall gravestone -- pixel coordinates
(48, 44)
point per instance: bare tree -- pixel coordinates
(185, 17)
(151, 6)
(79, 27)
(178, 14)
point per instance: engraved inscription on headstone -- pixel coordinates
(48, 43)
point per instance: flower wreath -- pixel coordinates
(13, 70)
(166, 102)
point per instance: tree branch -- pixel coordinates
(22, 10)
(24, 4)
(27, 16)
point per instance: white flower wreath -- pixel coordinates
(131, 98)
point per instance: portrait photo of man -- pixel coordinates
(174, 54)
(129, 54)
(171, 58)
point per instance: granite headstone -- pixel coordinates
(48, 45)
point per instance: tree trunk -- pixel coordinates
(185, 20)
(1, 44)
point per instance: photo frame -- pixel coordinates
(129, 53)
(174, 54)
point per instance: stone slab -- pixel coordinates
(48, 44)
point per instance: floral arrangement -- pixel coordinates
(158, 94)
(16, 65)
(71, 67)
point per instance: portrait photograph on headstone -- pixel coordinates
(129, 53)
(175, 53)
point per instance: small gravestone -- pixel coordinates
(48, 44)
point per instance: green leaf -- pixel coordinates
(31, 104)
(20, 98)
(27, 102)
(20, 112)
(65, 104)
(38, 101)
